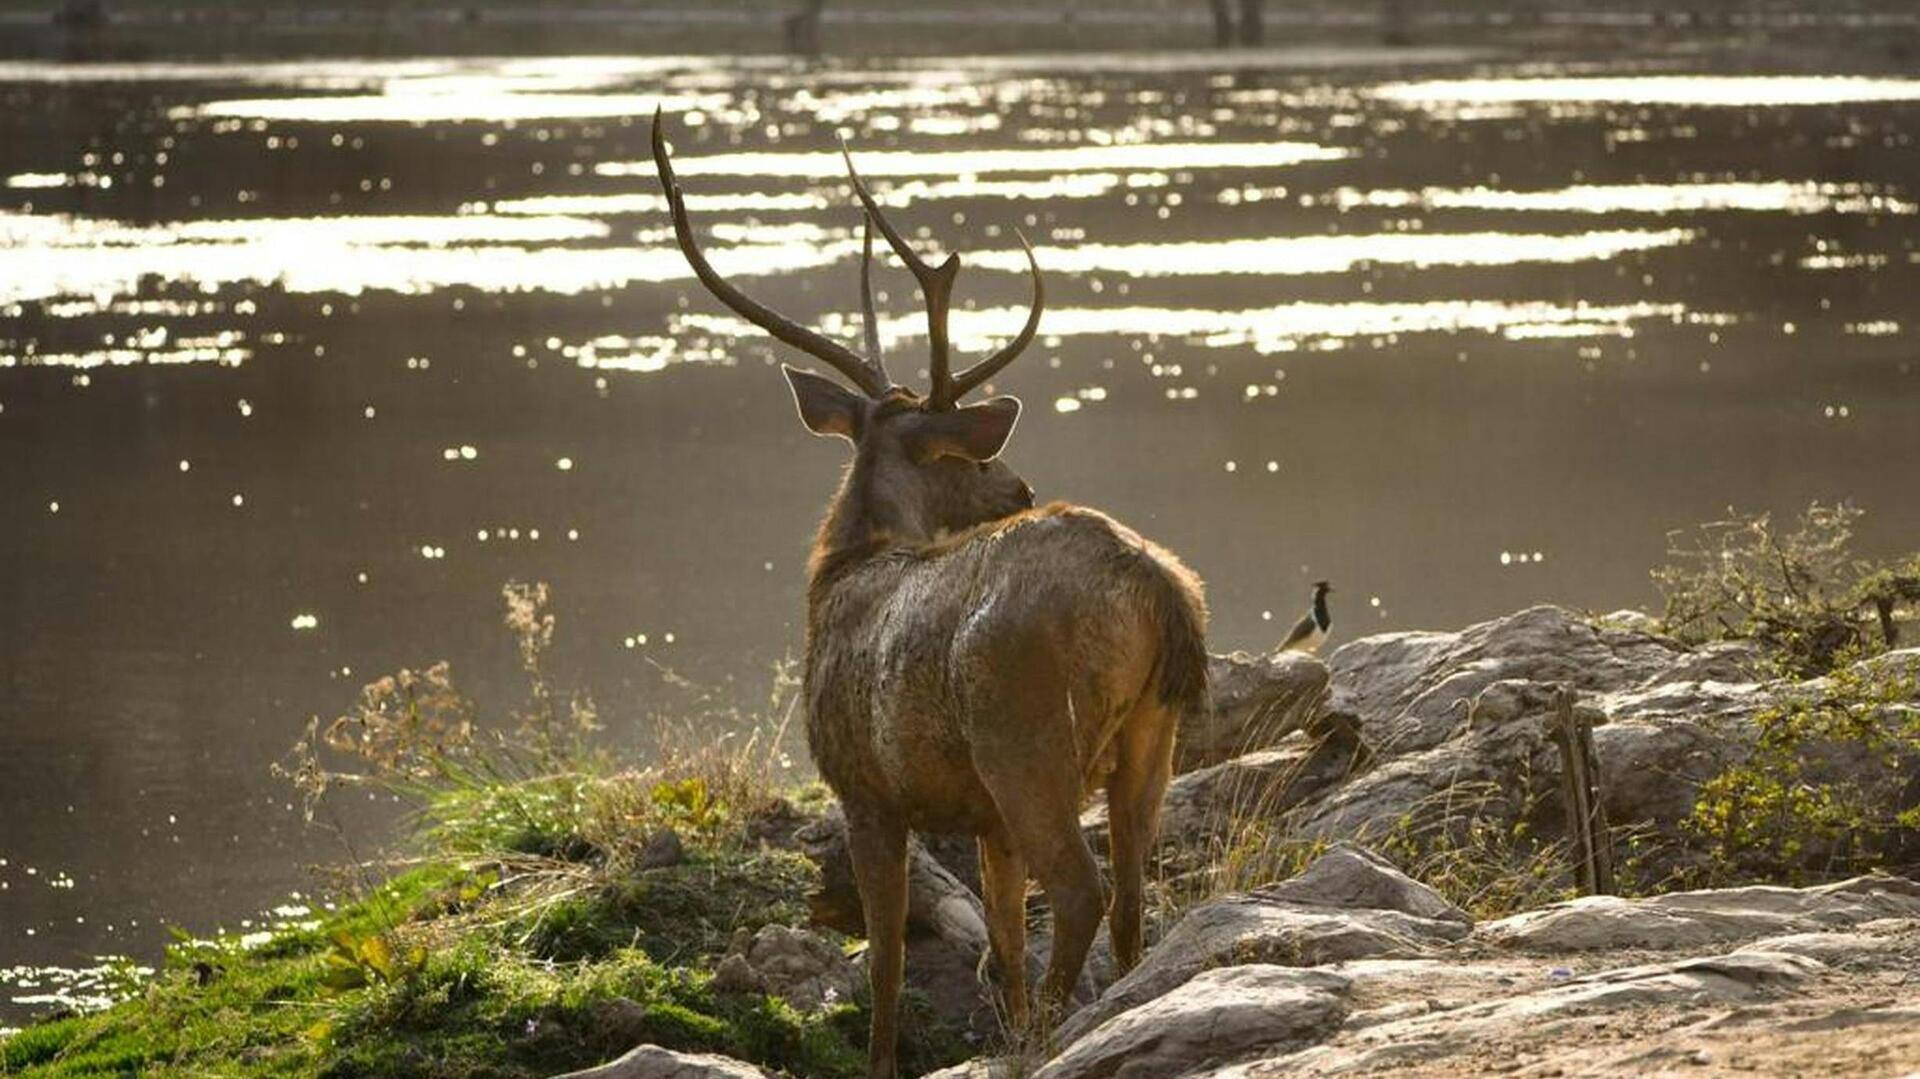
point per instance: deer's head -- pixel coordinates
(924, 465)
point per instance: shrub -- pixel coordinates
(1830, 787)
(1801, 591)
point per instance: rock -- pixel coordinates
(1298, 929)
(663, 849)
(1220, 1013)
(1686, 919)
(733, 974)
(938, 903)
(984, 1068)
(1402, 1043)
(777, 823)
(1632, 621)
(1834, 949)
(1446, 713)
(947, 974)
(1823, 998)
(799, 966)
(1349, 877)
(1492, 764)
(957, 854)
(1257, 700)
(1407, 688)
(653, 1062)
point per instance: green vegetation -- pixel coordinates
(537, 925)
(424, 976)
(1827, 787)
(1827, 790)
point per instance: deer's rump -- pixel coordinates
(1036, 635)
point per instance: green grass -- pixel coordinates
(595, 976)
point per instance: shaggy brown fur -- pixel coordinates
(985, 683)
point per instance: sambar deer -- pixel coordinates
(975, 664)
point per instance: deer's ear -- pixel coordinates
(825, 406)
(976, 432)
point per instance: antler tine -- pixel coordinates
(965, 381)
(866, 298)
(936, 286)
(868, 377)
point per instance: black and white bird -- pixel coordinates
(1312, 629)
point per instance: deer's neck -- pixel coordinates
(859, 524)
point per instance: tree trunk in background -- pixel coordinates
(1253, 26)
(81, 14)
(803, 28)
(1222, 24)
(1395, 27)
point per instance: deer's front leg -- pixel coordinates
(877, 842)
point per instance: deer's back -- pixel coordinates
(919, 661)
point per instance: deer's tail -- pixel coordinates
(1180, 610)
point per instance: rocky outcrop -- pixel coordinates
(1409, 689)
(1348, 877)
(1455, 724)
(653, 1062)
(1416, 1038)
(1815, 980)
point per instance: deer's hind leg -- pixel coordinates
(1143, 764)
(1003, 888)
(1029, 770)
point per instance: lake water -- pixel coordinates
(300, 362)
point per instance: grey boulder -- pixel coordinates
(653, 1062)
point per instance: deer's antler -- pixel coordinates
(869, 376)
(866, 297)
(936, 286)
(965, 381)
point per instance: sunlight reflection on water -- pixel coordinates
(1082, 185)
(1297, 255)
(1739, 91)
(1267, 330)
(1764, 197)
(816, 165)
(49, 256)
(434, 105)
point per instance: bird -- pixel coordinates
(1312, 628)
